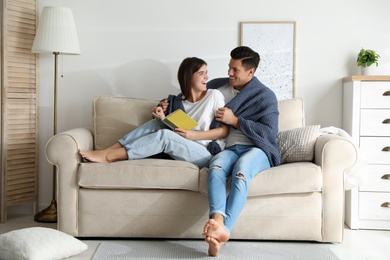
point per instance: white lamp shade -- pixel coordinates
(56, 32)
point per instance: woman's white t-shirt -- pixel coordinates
(203, 111)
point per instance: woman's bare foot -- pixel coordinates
(99, 156)
(215, 230)
(214, 246)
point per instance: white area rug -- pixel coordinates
(197, 249)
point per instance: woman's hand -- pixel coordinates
(164, 105)
(158, 112)
(212, 134)
(187, 134)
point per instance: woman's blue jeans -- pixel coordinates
(242, 163)
(154, 137)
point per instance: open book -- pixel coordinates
(178, 119)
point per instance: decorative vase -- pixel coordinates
(365, 71)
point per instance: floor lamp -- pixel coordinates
(56, 34)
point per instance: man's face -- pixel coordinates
(238, 76)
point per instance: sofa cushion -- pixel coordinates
(39, 243)
(289, 178)
(114, 117)
(291, 113)
(297, 145)
(139, 174)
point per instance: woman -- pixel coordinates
(154, 137)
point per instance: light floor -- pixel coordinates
(357, 245)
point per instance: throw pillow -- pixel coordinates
(297, 145)
(39, 243)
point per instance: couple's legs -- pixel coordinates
(113, 153)
(250, 163)
(150, 139)
(149, 127)
(169, 142)
(242, 163)
(215, 232)
(117, 151)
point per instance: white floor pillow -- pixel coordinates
(38, 243)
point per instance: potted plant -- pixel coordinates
(366, 58)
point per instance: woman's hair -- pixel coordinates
(187, 68)
(249, 58)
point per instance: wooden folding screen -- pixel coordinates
(19, 105)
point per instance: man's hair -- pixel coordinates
(249, 58)
(187, 68)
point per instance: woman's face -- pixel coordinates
(199, 79)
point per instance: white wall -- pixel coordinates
(133, 48)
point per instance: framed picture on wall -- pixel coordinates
(275, 42)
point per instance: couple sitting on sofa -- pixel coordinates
(248, 123)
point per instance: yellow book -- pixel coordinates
(178, 119)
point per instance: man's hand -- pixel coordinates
(225, 115)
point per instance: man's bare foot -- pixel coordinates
(214, 246)
(215, 230)
(99, 156)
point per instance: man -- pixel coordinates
(251, 112)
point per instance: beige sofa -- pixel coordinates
(159, 198)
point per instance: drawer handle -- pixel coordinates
(386, 149)
(387, 93)
(386, 121)
(385, 205)
(386, 177)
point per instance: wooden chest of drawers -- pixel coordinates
(366, 117)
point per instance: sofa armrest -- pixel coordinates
(62, 151)
(334, 154)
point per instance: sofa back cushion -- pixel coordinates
(114, 117)
(291, 114)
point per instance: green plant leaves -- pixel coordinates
(367, 57)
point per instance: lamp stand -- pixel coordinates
(49, 214)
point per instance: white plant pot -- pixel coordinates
(371, 70)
